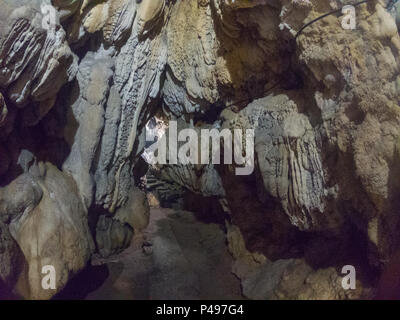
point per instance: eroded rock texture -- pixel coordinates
(79, 81)
(48, 221)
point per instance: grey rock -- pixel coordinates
(3, 110)
(112, 236)
(34, 63)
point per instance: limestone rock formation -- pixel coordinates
(3, 110)
(80, 80)
(263, 279)
(11, 257)
(112, 236)
(136, 212)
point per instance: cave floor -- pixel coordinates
(182, 258)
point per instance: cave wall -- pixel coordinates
(76, 93)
